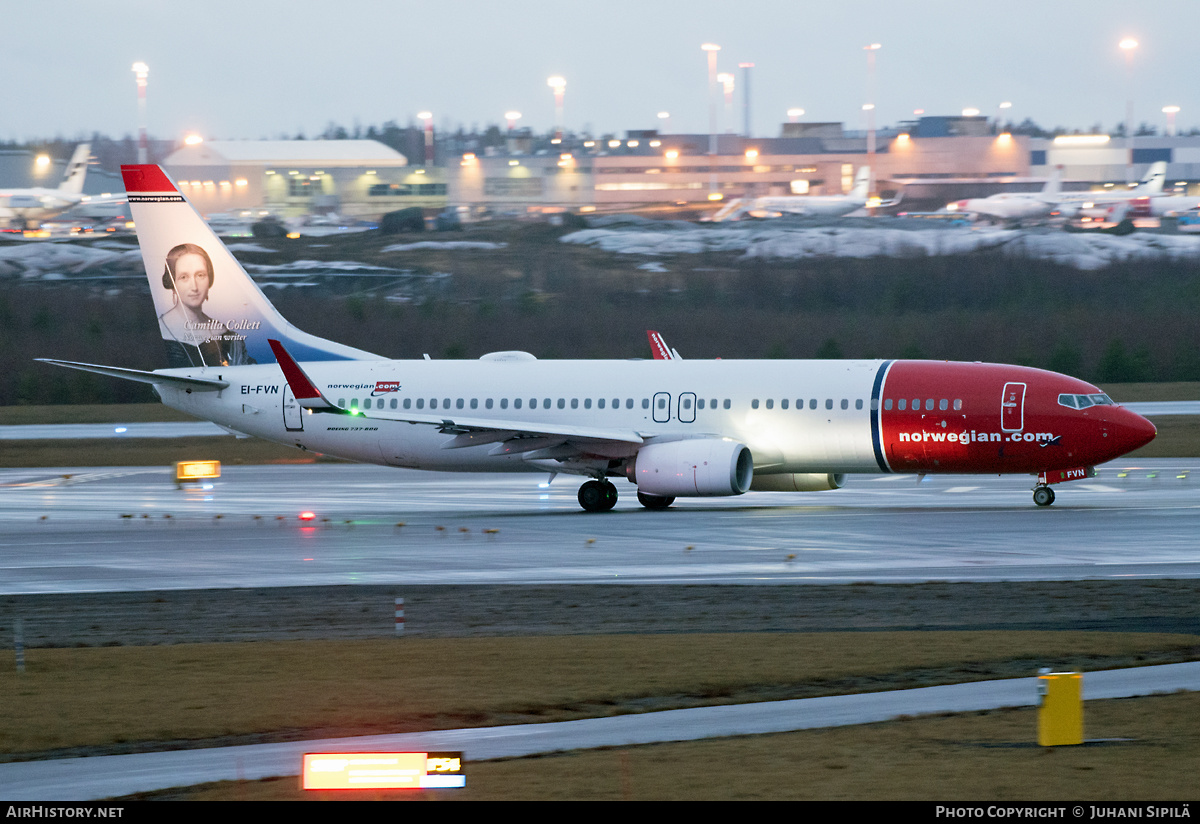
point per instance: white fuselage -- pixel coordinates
(753, 402)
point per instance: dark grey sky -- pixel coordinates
(253, 69)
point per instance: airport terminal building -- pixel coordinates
(355, 178)
(925, 163)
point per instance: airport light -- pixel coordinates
(1128, 45)
(428, 118)
(746, 67)
(141, 71)
(870, 110)
(1170, 112)
(559, 85)
(1005, 105)
(711, 49)
(727, 81)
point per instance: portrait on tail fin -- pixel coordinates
(191, 336)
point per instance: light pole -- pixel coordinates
(1128, 45)
(870, 110)
(1000, 114)
(664, 119)
(141, 71)
(712, 49)
(559, 85)
(745, 67)
(726, 80)
(1170, 112)
(428, 118)
(794, 115)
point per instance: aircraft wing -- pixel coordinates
(511, 436)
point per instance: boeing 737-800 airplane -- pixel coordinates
(674, 427)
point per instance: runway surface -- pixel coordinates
(82, 779)
(123, 529)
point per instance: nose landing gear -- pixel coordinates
(1043, 495)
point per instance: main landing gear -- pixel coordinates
(1043, 495)
(597, 496)
(601, 496)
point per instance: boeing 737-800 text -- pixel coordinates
(674, 427)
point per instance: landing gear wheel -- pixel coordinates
(597, 496)
(1043, 496)
(654, 501)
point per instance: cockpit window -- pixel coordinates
(1084, 401)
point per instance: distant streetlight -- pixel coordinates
(141, 71)
(970, 112)
(1170, 112)
(1000, 115)
(870, 109)
(428, 118)
(511, 119)
(726, 80)
(664, 119)
(746, 67)
(712, 49)
(559, 85)
(1128, 45)
(794, 115)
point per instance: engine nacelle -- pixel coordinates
(800, 482)
(691, 468)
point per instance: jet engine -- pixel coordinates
(800, 482)
(690, 468)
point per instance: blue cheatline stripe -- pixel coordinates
(876, 436)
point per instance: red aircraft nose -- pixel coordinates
(1127, 431)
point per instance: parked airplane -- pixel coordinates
(1071, 203)
(803, 205)
(675, 428)
(21, 205)
(1013, 206)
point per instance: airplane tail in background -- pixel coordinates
(862, 184)
(1054, 182)
(76, 172)
(209, 310)
(1152, 183)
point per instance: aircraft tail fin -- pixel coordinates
(1152, 183)
(76, 170)
(210, 312)
(1053, 184)
(862, 184)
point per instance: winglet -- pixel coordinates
(306, 392)
(659, 346)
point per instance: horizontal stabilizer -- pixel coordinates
(157, 378)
